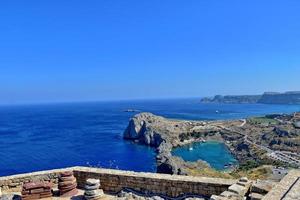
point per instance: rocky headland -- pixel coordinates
(272, 139)
(266, 98)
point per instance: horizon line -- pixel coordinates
(93, 101)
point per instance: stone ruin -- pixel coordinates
(67, 184)
(245, 189)
(92, 191)
(150, 184)
(36, 190)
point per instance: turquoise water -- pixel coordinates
(214, 153)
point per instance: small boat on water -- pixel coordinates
(217, 111)
(229, 165)
(131, 110)
(203, 140)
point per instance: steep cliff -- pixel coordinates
(280, 98)
(152, 130)
(163, 134)
(144, 128)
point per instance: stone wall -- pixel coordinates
(14, 183)
(287, 189)
(171, 185)
(113, 181)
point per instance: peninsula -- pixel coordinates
(266, 98)
(269, 140)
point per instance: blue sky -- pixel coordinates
(71, 50)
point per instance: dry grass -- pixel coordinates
(262, 172)
(208, 172)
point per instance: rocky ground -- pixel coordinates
(127, 195)
(254, 141)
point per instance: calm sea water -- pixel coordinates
(215, 153)
(39, 137)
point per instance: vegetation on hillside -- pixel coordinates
(262, 120)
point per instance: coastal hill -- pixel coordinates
(165, 134)
(269, 140)
(266, 98)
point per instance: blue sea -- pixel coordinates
(40, 137)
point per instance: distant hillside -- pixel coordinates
(232, 99)
(280, 98)
(266, 98)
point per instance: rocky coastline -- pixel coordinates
(266, 98)
(165, 134)
(245, 138)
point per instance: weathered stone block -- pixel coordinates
(238, 189)
(262, 187)
(255, 196)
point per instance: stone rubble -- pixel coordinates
(10, 197)
(124, 195)
(36, 190)
(92, 191)
(67, 184)
(255, 196)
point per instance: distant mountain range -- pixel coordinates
(292, 97)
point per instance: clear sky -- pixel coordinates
(74, 50)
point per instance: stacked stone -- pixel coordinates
(67, 184)
(92, 191)
(36, 190)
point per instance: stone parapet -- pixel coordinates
(14, 183)
(171, 185)
(113, 181)
(287, 189)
